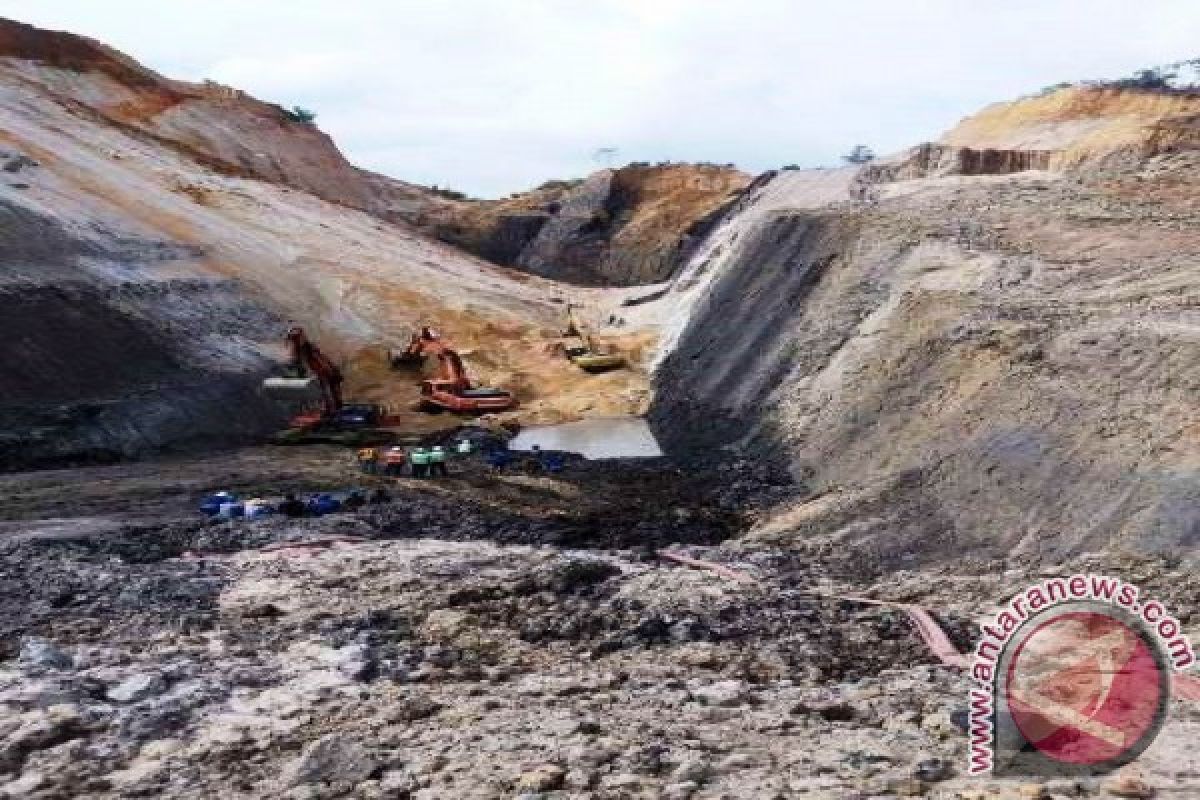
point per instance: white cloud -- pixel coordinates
(491, 96)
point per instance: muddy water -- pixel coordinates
(601, 437)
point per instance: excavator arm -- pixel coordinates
(308, 358)
(453, 369)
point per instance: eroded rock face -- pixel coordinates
(571, 238)
(1083, 124)
(219, 126)
(98, 369)
(943, 364)
(620, 227)
(932, 160)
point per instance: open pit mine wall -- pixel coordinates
(618, 227)
(218, 126)
(104, 359)
(930, 399)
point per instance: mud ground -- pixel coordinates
(483, 636)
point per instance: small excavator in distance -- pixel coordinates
(581, 350)
(451, 390)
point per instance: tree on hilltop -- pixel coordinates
(301, 115)
(861, 154)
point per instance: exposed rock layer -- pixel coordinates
(219, 126)
(616, 228)
(972, 364)
(930, 160)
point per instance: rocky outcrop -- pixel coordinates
(931, 160)
(619, 227)
(574, 235)
(1082, 124)
(1172, 135)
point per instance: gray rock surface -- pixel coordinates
(136, 688)
(332, 759)
(942, 364)
(40, 654)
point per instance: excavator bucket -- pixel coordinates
(598, 362)
(291, 386)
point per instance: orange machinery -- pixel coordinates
(451, 390)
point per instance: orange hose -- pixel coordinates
(1186, 687)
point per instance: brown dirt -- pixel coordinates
(1082, 123)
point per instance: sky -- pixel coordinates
(496, 96)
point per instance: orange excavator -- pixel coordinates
(452, 390)
(311, 369)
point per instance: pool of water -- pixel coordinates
(599, 437)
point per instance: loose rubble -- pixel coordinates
(461, 650)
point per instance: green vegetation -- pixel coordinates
(1052, 88)
(861, 154)
(1179, 77)
(1155, 78)
(564, 184)
(449, 194)
(301, 115)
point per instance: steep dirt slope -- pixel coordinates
(146, 292)
(616, 228)
(957, 364)
(220, 126)
(1079, 123)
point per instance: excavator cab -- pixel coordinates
(413, 355)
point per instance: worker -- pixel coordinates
(324, 503)
(256, 507)
(393, 461)
(437, 462)
(291, 507)
(354, 502)
(498, 459)
(368, 460)
(420, 463)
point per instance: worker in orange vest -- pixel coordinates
(393, 461)
(368, 460)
